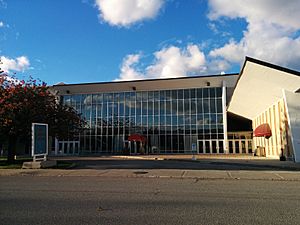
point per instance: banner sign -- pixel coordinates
(39, 139)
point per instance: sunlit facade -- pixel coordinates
(171, 120)
(174, 120)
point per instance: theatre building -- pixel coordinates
(218, 114)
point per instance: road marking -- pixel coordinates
(281, 177)
(229, 174)
(183, 173)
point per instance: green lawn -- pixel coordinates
(19, 162)
(16, 165)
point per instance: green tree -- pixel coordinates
(25, 102)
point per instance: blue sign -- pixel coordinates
(40, 139)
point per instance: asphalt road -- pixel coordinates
(95, 200)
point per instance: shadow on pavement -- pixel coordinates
(103, 164)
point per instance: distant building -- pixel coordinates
(215, 114)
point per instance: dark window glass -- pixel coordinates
(162, 120)
(200, 119)
(212, 105)
(144, 96)
(168, 107)
(145, 108)
(174, 107)
(205, 92)
(99, 110)
(206, 120)
(187, 109)
(174, 142)
(174, 120)
(219, 118)
(180, 107)
(213, 118)
(138, 120)
(193, 107)
(219, 92)
(151, 95)
(121, 96)
(156, 95)
(193, 119)
(150, 121)
(181, 143)
(162, 95)
(187, 119)
(219, 105)
(205, 105)
(168, 95)
(144, 120)
(212, 93)
(127, 96)
(199, 106)
(132, 96)
(117, 97)
(150, 108)
(121, 109)
(138, 108)
(105, 97)
(138, 96)
(169, 120)
(174, 94)
(156, 120)
(127, 109)
(104, 112)
(180, 120)
(187, 94)
(132, 108)
(156, 108)
(162, 108)
(193, 129)
(193, 93)
(180, 94)
(97, 99)
(199, 93)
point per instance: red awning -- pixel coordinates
(137, 137)
(263, 130)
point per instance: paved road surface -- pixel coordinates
(107, 200)
(204, 164)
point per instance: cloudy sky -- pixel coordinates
(105, 40)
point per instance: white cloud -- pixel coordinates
(128, 70)
(271, 34)
(1, 24)
(170, 61)
(127, 12)
(19, 64)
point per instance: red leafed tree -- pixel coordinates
(25, 102)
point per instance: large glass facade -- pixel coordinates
(172, 121)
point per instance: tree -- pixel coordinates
(25, 102)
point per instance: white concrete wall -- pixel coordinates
(292, 101)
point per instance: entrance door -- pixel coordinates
(127, 148)
(210, 146)
(136, 148)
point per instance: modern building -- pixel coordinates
(218, 114)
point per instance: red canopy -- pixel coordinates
(137, 137)
(263, 130)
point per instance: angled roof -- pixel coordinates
(149, 84)
(259, 86)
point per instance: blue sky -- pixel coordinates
(75, 41)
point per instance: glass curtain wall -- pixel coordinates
(173, 121)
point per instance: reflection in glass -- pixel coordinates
(171, 120)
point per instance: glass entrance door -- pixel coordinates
(210, 146)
